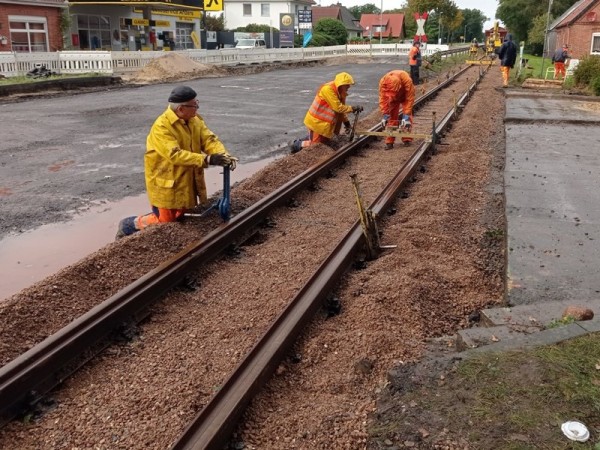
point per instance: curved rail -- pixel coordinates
(213, 425)
(27, 378)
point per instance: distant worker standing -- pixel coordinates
(327, 112)
(414, 61)
(396, 89)
(178, 148)
(508, 56)
(559, 59)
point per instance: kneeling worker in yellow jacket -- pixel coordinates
(327, 112)
(178, 149)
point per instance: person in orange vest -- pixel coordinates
(327, 113)
(414, 61)
(396, 89)
(559, 58)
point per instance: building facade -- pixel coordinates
(28, 26)
(240, 13)
(579, 28)
(132, 28)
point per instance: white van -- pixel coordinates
(245, 44)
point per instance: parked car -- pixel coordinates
(250, 43)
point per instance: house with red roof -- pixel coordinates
(579, 28)
(341, 13)
(388, 26)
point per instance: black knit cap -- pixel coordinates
(182, 94)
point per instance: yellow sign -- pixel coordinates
(162, 23)
(182, 14)
(195, 39)
(140, 22)
(213, 5)
(287, 20)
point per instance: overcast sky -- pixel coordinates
(488, 7)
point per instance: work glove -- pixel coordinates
(233, 162)
(386, 118)
(221, 159)
(357, 109)
(405, 122)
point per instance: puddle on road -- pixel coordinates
(31, 256)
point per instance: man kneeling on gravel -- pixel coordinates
(178, 148)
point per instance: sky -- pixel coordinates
(488, 7)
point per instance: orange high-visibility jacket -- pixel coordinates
(175, 159)
(414, 56)
(328, 108)
(396, 87)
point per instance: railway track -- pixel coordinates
(29, 377)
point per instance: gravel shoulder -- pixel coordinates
(448, 263)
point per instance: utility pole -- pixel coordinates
(381, 23)
(546, 37)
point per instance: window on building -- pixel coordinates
(94, 32)
(247, 9)
(28, 34)
(596, 43)
(183, 35)
(265, 10)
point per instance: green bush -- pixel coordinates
(587, 70)
(321, 40)
(333, 28)
(255, 28)
(595, 85)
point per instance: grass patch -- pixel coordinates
(509, 400)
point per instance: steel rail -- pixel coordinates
(213, 425)
(30, 376)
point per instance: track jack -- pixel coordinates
(368, 223)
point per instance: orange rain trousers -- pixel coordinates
(559, 69)
(158, 215)
(505, 72)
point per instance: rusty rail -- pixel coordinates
(213, 425)
(30, 376)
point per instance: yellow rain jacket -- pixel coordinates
(328, 109)
(175, 160)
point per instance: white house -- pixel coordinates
(239, 13)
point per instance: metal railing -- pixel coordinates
(117, 63)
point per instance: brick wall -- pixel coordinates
(579, 35)
(52, 16)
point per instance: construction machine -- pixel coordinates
(493, 41)
(474, 49)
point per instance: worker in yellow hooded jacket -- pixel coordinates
(178, 148)
(328, 112)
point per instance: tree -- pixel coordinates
(472, 25)
(214, 23)
(518, 15)
(442, 12)
(333, 28)
(368, 8)
(537, 34)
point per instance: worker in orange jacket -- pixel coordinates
(414, 61)
(327, 112)
(396, 89)
(559, 59)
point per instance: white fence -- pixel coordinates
(116, 63)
